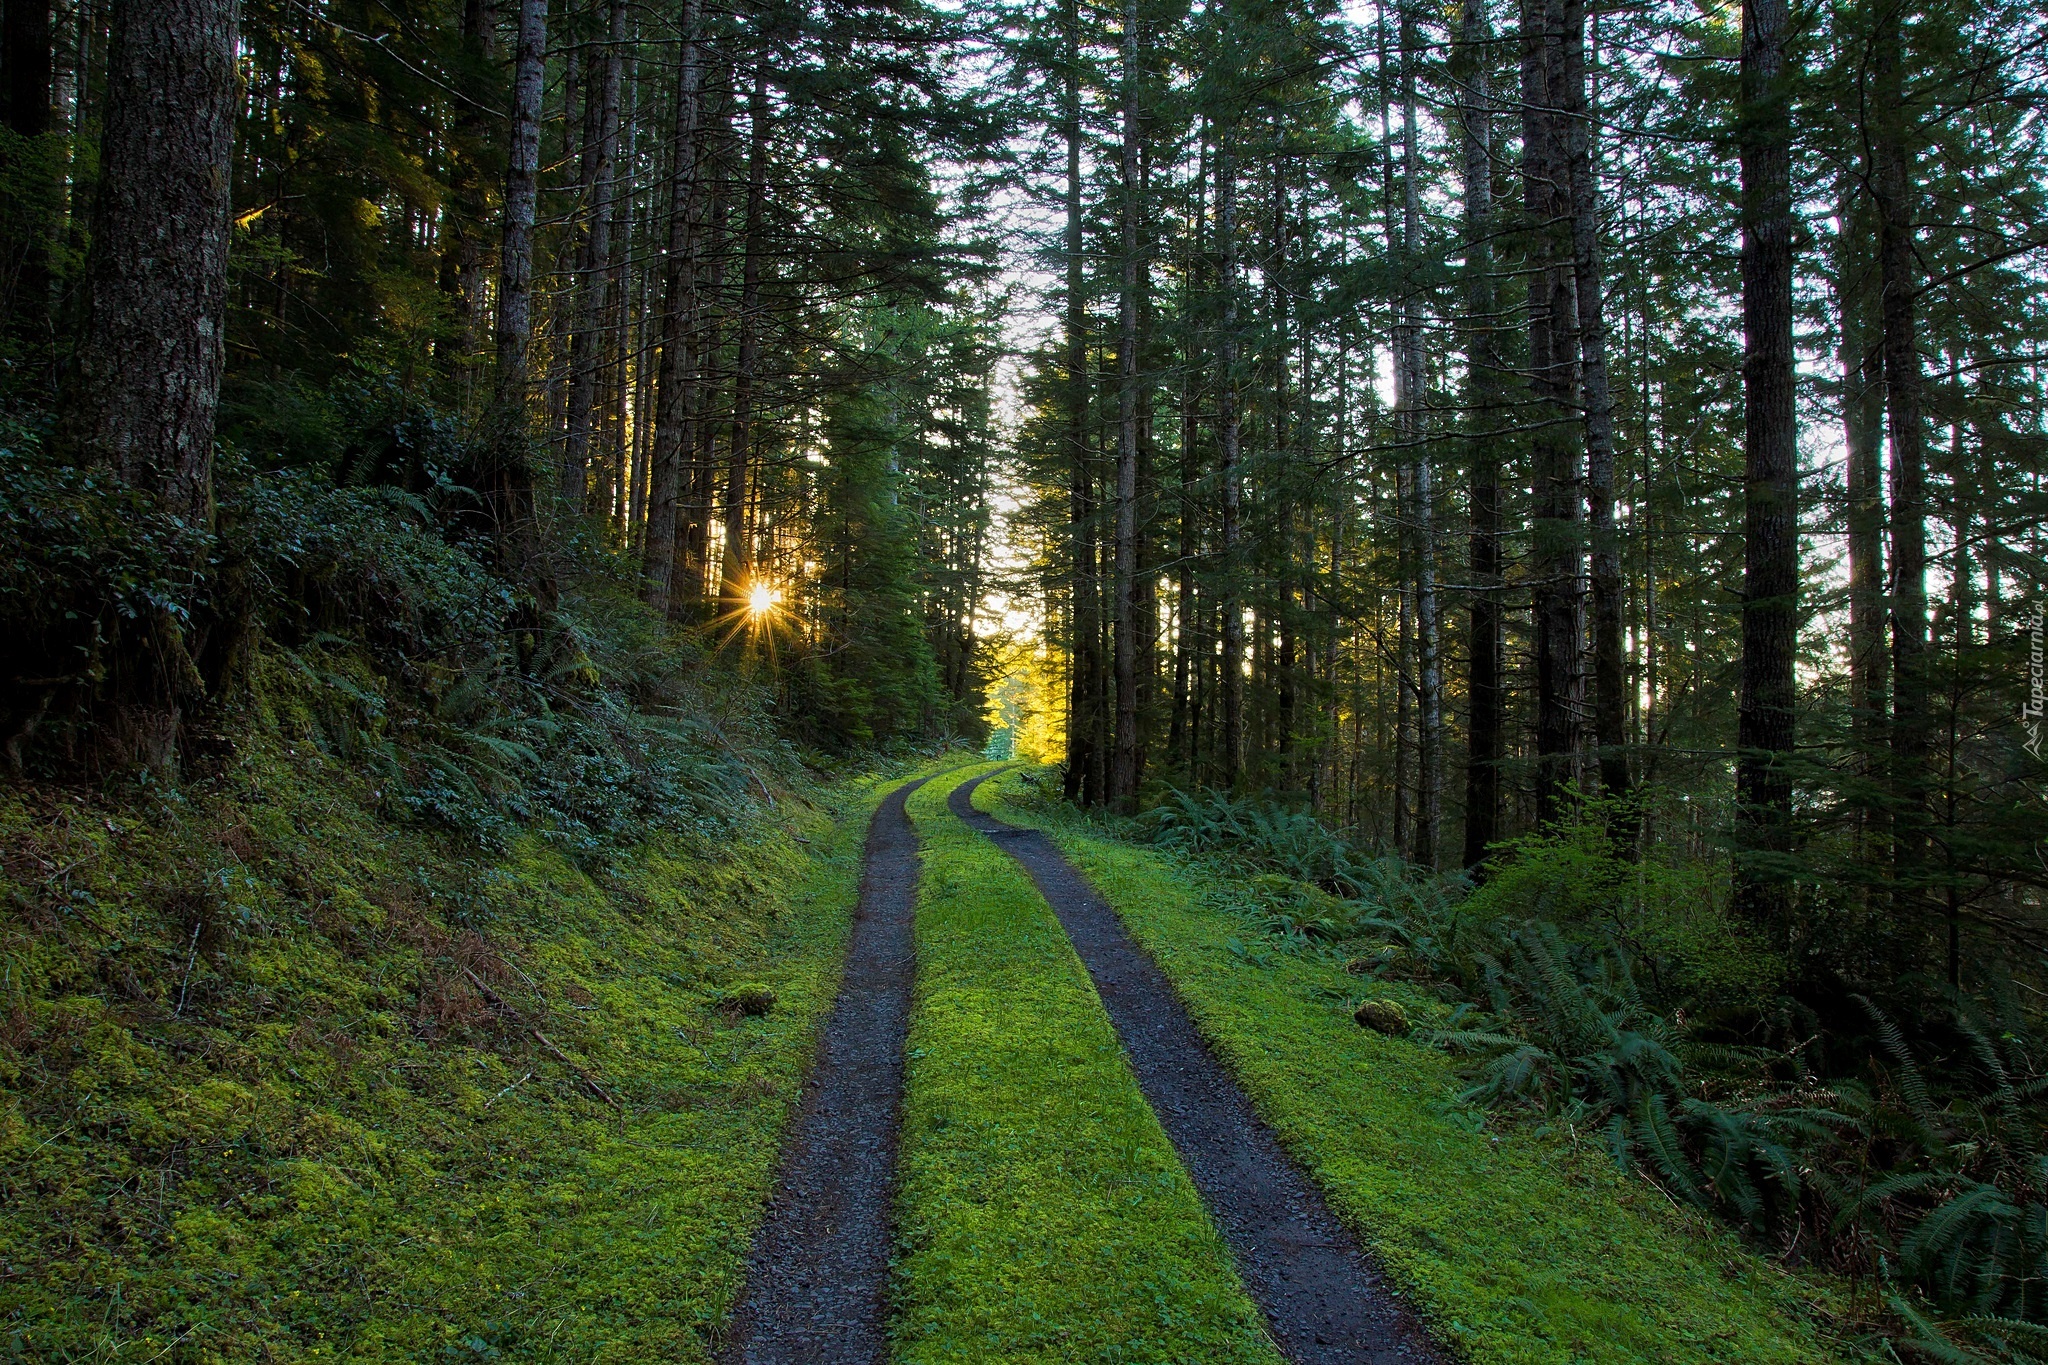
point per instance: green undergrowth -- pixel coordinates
(1044, 1215)
(1518, 1245)
(283, 1080)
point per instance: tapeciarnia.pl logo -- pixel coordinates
(2037, 689)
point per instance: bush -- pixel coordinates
(1670, 919)
(1616, 996)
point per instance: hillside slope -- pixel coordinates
(285, 1080)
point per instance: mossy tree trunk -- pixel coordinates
(141, 397)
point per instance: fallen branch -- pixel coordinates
(581, 1074)
(564, 1058)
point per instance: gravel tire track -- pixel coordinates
(1325, 1302)
(818, 1275)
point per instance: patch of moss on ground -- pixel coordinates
(283, 1081)
(1043, 1214)
(1518, 1247)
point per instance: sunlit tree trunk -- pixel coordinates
(677, 377)
(738, 552)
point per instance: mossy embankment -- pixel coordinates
(284, 1080)
(1043, 1213)
(1517, 1246)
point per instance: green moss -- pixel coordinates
(1044, 1215)
(1518, 1246)
(283, 1081)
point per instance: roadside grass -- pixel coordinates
(1042, 1212)
(1518, 1246)
(270, 1085)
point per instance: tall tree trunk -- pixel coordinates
(715, 161)
(609, 497)
(677, 378)
(509, 484)
(463, 260)
(1485, 747)
(1124, 774)
(1411, 383)
(593, 264)
(1229, 436)
(1553, 328)
(1081, 720)
(1862, 361)
(1610, 700)
(1893, 179)
(1182, 743)
(739, 565)
(144, 389)
(1770, 572)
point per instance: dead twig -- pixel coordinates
(190, 960)
(508, 1090)
(581, 1074)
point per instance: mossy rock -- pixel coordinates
(749, 1000)
(1382, 1016)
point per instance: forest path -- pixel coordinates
(1324, 1302)
(817, 1278)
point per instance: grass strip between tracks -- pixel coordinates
(1042, 1211)
(1517, 1247)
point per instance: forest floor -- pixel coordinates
(965, 1089)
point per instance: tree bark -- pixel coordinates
(1229, 437)
(1124, 772)
(593, 272)
(144, 389)
(1610, 702)
(1181, 738)
(1485, 745)
(739, 565)
(715, 161)
(463, 259)
(1770, 577)
(1081, 720)
(510, 482)
(608, 498)
(1410, 396)
(1893, 181)
(1862, 361)
(145, 385)
(1553, 326)
(677, 379)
